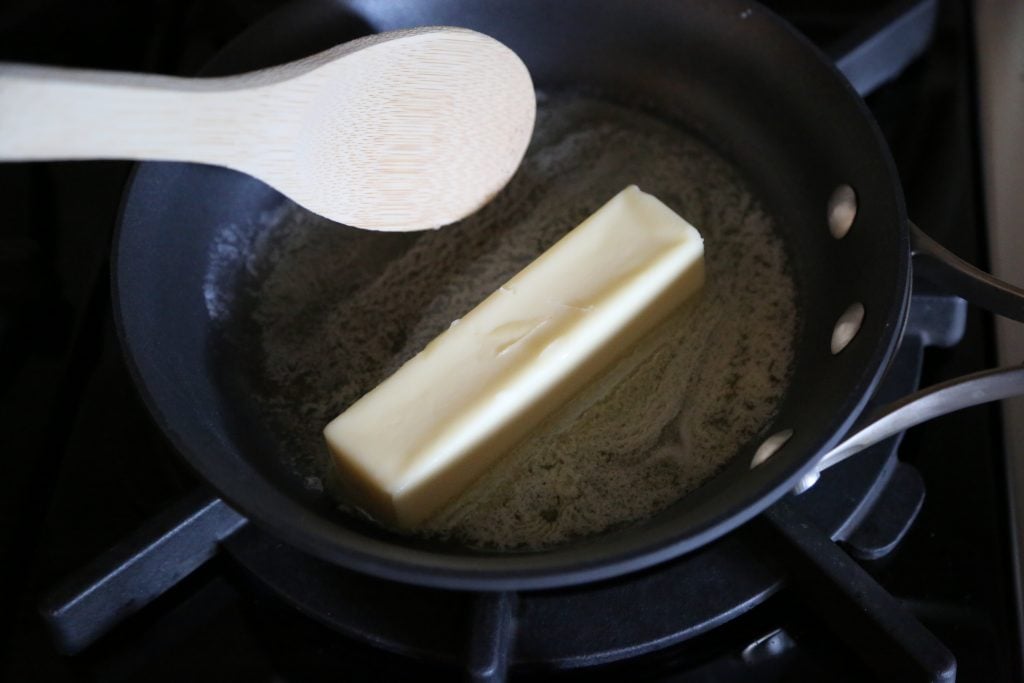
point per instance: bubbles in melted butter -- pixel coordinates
(331, 312)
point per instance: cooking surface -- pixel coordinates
(82, 465)
(623, 448)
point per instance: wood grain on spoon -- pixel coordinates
(397, 131)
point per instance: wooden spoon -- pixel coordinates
(397, 131)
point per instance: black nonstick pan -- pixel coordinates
(733, 73)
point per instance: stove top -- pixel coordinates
(888, 568)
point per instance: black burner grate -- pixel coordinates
(84, 466)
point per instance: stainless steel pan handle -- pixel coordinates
(940, 399)
(955, 275)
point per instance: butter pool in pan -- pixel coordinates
(335, 312)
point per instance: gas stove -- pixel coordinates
(119, 565)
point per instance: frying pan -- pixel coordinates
(741, 79)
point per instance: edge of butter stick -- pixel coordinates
(427, 432)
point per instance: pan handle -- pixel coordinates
(953, 274)
(909, 411)
(945, 269)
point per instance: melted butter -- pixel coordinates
(325, 314)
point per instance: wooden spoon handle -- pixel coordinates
(55, 113)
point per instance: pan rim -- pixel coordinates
(547, 569)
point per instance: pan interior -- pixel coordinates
(312, 315)
(729, 72)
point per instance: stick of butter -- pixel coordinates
(426, 433)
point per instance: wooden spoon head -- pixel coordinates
(410, 130)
